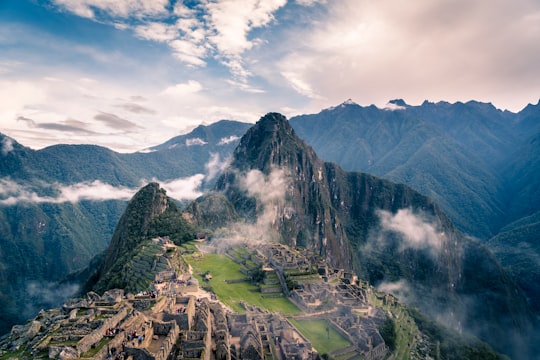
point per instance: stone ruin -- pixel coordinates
(182, 323)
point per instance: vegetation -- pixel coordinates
(321, 334)
(232, 287)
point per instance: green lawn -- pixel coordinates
(223, 268)
(316, 332)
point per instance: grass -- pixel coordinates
(93, 351)
(223, 268)
(316, 331)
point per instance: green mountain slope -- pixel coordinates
(43, 238)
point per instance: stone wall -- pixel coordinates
(86, 343)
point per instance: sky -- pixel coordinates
(132, 74)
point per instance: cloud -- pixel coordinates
(7, 145)
(183, 89)
(214, 166)
(300, 85)
(416, 232)
(157, 32)
(44, 294)
(116, 122)
(136, 108)
(12, 193)
(196, 32)
(184, 188)
(451, 50)
(266, 188)
(269, 191)
(228, 140)
(401, 289)
(63, 127)
(195, 141)
(113, 8)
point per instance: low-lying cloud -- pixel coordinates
(266, 188)
(215, 166)
(228, 140)
(416, 232)
(195, 141)
(12, 193)
(270, 192)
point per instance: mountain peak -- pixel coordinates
(148, 203)
(270, 142)
(396, 104)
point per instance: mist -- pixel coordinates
(415, 231)
(269, 192)
(46, 295)
(7, 145)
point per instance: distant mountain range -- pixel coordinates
(479, 164)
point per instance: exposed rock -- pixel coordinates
(68, 353)
(112, 296)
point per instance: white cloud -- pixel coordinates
(300, 85)
(450, 50)
(114, 8)
(156, 31)
(401, 289)
(228, 140)
(184, 188)
(214, 166)
(189, 52)
(183, 89)
(416, 232)
(195, 141)
(13, 193)
(266, 188)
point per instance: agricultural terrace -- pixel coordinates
(231, 286)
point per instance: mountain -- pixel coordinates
(46, 232)
(449, 152)
(479, 164)
(387, 233)
(149, 214)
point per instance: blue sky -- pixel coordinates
(131, 74)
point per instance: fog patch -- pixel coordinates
(195, 141)
(228, 140)
(415, 230)
(270, 194)
(400, 289)
(46, 295)
(7, 145)
(215, 166)
(265, 188)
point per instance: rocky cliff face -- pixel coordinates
(387, 233)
